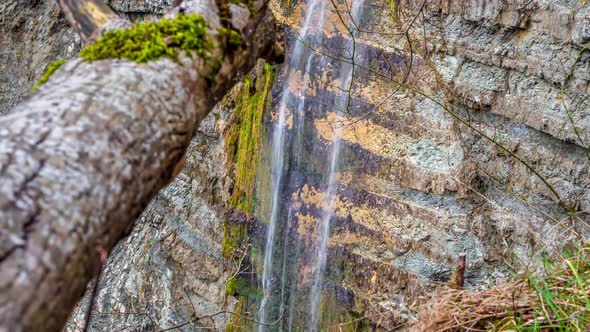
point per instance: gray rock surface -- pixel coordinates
(140, 9)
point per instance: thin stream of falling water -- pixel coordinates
(299, 127)
(284, 273)
(277, 158)
(324, 231)
(316, 288)
(276, 175)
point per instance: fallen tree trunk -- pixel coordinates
(82, 157)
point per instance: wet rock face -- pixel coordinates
(418, 185)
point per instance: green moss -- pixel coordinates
(393, 9)
(243, 288)
(232, 37)
(231, 287)
(242, 147)
(236, 322)
(151, 41)
(248, 295)
(242, 140)
(52, 68)
(233, 236)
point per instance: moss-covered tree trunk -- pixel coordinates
(82, 157)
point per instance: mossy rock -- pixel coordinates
(234, 236)
(151, 41)
(242, 139)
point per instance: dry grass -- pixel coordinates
(555, 299)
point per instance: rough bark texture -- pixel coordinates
(414, 192)
(80, 160)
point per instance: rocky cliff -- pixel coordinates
(467, 133)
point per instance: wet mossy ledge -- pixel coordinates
(242, 138)
(242, 150)
(233, 237)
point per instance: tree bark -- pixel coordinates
(81, 158)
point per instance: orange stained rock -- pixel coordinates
(306, 224)
(311, 196)
(363, 132)
(274, 117)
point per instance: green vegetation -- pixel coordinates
(248, 294)
(242, 149)
(242, 139)
(232, 37)
(151, 41)
(556, 299)
(243, 288)
(393, 9)
(233, 236)
(52, 68)
(236, 322)
(562, 300)
(231, 288)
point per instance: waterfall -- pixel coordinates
(342, 101)
(302, 309)
(297, 58)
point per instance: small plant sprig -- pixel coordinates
(52, 68)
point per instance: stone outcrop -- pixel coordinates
(34, 34)
(140, 9)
